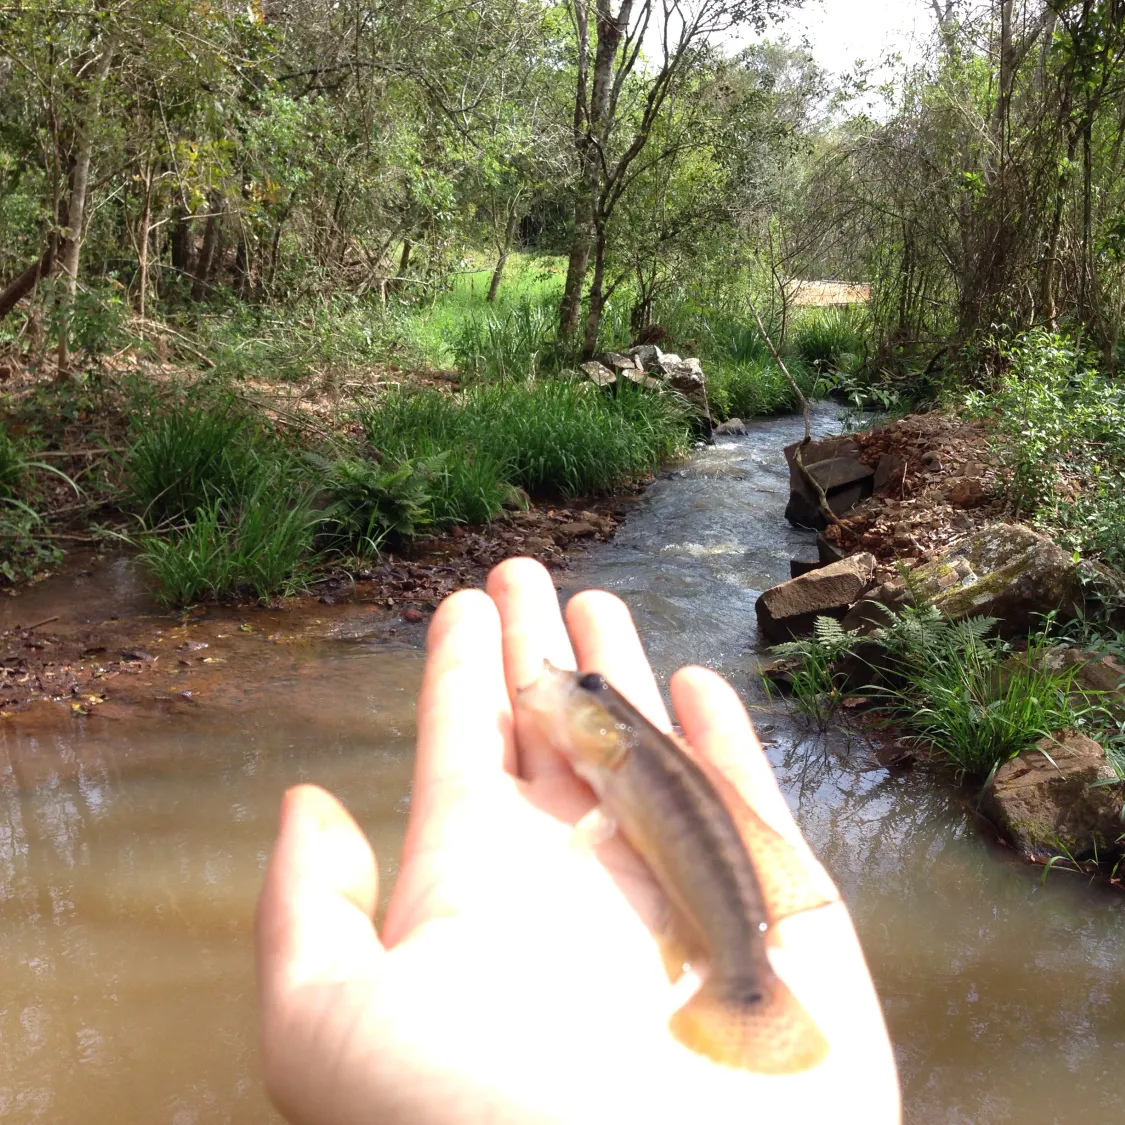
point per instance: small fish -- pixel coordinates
(726, 874)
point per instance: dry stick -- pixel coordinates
(798, 453)
(38, 624)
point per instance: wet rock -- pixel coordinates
(846, 483)
(889, 474)
(577, 529)
(797, 567)
(791, 609)
(1047, 800)
(1005, 571)
(412, 615)
(598, 373)
(139, 654)
(732, 427)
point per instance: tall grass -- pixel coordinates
(957, 690)
(832, 339)
(551, 437)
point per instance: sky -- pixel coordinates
(841, 31)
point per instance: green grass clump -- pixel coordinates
(754, 387)
(961, 693)
(222, 502)
(261, 547)
(831, 339)
(549, 437)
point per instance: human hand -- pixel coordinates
(516, 978)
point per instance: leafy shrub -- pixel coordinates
(1061, 438)
(371, 504)
(24, 552)
(12, 465)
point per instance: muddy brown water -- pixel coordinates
(131, 849)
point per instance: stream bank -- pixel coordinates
(131, 850)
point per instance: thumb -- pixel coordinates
(316, 910)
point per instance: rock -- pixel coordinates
(412, 615)
(686, 377)
(827, 551)
(1045, 800)
(598, 373)
(791, 608)
(889, 474)
(779, 672)
(846, 483)
(578, 529)
(866, 616)
(619, 362)
(965, 492)
(1003, 570)
(647, 355)
(797, 567)
(823, 449)
(649, 382)
(538, 543)
(732, 427)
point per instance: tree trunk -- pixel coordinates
(144, 234)
(404, 257)
(597, 300)
(76, 214)
(571, 305)
(505, 250)
(206, 253)
(25, 282)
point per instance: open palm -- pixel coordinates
(516, 977)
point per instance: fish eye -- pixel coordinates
(592, 681)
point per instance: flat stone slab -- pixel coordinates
(790, 609)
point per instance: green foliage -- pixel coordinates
(259, 547)
(1060, 429)
(185, 458)
(818, 686)
(551, 437)
(832, 339)
(24, 552)
(966, 697)
(509, 344)
(372, 504)
(754, 387)
(12, 466)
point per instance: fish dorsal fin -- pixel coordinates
(791, 879)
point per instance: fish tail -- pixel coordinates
(772, 1035)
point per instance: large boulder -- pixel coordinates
(1003, 570)
(846, 483)
(1052, 799)
(791, 608)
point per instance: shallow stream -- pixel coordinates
(131, 853)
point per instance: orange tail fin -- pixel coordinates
(774, 1036)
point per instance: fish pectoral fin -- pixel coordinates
(593, 829)
(774, 1035)
(680, 949)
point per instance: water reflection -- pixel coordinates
(131, 854)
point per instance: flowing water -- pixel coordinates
(131, 850)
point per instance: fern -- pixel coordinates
(817, 685)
